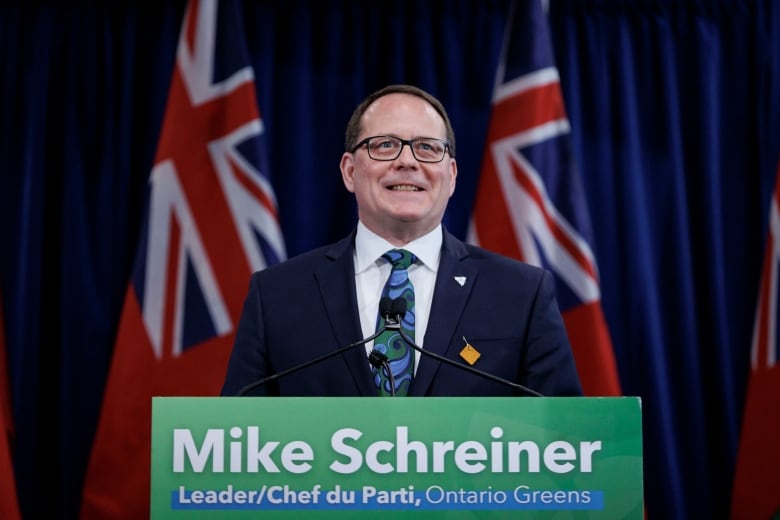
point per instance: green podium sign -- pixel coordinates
(329, 457)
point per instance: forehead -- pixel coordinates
(404, 115)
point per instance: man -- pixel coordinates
(475, 307)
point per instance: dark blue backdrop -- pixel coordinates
(675, 113)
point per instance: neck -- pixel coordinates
(401, 234)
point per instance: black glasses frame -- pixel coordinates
(404, 142)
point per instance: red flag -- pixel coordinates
(530, 204)
(756, 492)
(210, 221)
(9, 503)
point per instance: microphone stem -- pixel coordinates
(390, 378)
(380, 361)
(323, 357)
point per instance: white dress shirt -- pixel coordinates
(372, 272)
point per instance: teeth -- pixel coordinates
(404, 187)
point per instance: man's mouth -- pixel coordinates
(404, 187)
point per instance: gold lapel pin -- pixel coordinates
(469, 353)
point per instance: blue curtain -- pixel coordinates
(675, 112)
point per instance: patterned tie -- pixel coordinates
(390, 342)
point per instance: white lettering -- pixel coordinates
(214, 442)
(405, 447)
(559, 451)
(586, 455)
(296, 457)
(249, 452)
(372, 457)
(440, 449)
(467, 452)
(263, 455)
(515, 448)
(355, 458)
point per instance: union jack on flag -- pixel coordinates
(211, 221)
(756, 476)
(530, 203)
(764, 348)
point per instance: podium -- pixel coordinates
(430, 457)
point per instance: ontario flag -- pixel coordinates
(9, 503)
(530, 203)
(211, 221)
(756, 492)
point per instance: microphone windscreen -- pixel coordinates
(385, 307)
(398, 307)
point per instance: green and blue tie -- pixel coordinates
(390, 342)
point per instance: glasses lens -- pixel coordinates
(384, 148)
(387, 148)
(428, 149)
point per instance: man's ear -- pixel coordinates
(454, 170)
(347, 167)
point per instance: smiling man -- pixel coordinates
(402, 170)
(494, 315)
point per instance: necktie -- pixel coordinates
(390, 342)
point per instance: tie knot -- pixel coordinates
(400, 258)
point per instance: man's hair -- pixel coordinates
(353, 126)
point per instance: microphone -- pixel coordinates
(398, 309)
(382, 362)
(376, 358)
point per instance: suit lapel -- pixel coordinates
(454, 283)
(336, 279)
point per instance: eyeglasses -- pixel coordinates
(388, 148)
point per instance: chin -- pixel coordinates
(408, 217)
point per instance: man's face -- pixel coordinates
(404, 198)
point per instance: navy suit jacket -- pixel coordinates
(307, 306)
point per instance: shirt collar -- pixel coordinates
(369, 247)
